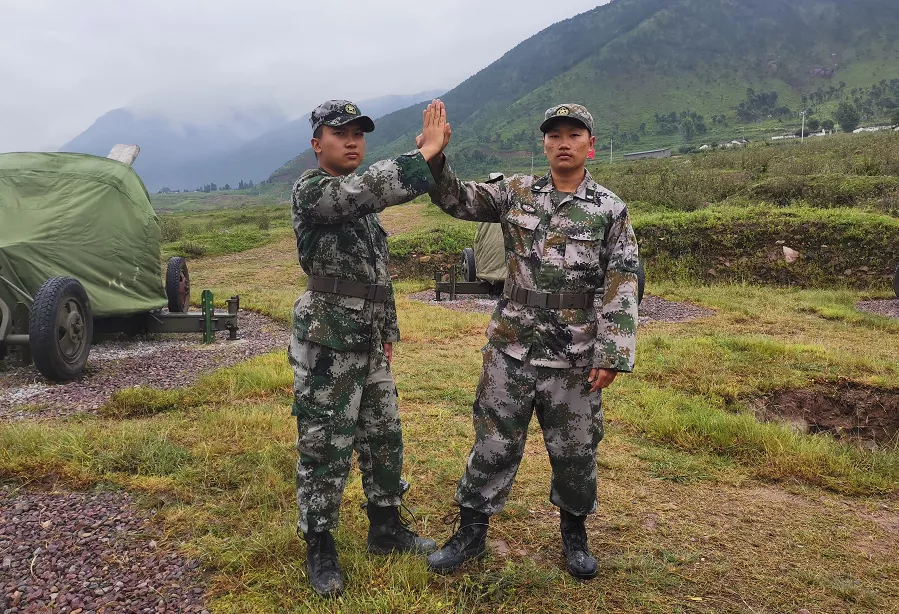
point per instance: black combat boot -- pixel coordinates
(388, 532)
(469, 542)
(321, 564)
(581, 563)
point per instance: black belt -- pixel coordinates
(343, 287)
(547, 300)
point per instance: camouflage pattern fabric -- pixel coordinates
(571, 417)
(344, 394)
(584, 243)
(339, 113)
(569, 111)
(339, 235)
(344, 401)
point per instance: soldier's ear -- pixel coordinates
(592, 141)
(316, 146)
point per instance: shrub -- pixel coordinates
(842, 246)
(190, 248)
(170, 229)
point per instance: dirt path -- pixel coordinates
(89, 552)
(165, 361)
(887, 308)
(652, 309)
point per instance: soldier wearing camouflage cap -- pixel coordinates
(344, 327)
(564, 328)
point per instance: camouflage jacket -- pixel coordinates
(583, 244)
(339, 235)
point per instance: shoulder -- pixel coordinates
(520, 184)
(607, 200)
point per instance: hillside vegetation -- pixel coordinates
(723, 68)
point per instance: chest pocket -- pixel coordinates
(583, 248)
(520, 230)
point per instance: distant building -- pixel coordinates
(655, 153)
(871, 129)
(735, 143)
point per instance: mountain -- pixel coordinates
(246, 145)
(668, 72)
(174, 154)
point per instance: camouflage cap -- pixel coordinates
(569, 111)
(339, 113)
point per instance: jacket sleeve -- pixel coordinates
(323, 199)
(617, 316)
(468, 200)
(391, 326)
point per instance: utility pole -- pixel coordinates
(532, 164)
(610, 151)
(802, 132)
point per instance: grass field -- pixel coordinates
(702, 507)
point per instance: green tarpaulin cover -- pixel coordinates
(66, 214)
(489, 253)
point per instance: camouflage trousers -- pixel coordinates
(344, 401)
(508, 393)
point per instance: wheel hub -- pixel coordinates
(71, 330)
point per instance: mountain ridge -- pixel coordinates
(632, 59)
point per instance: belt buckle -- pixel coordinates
(372, 292)
(537, 299)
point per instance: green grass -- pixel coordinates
(688, 480)
(701, 506)
(223, 231)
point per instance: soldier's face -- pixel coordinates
(566, 144)
(340, 149)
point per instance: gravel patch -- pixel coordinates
(652, 309)
(888, 308)
(163, 361)
(88, 553)
(655, 309)
(477, 303)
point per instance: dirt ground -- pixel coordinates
(867, 416)
(160, 361)
(652, 309)
(888, 308)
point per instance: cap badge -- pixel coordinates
(563, 111)
(350, 109)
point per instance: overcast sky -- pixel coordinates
(66, 62)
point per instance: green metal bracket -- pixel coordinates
(208, 310)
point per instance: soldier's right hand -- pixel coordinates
(435, 132)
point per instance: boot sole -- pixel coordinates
(328, 594)
(583, 576)
(448, 570)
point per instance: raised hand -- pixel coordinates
(436, 132)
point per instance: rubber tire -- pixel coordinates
(42, 331)
(469, 268)
(641, 282)
(896, 282)
(173, 284)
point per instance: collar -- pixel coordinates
(585, 191)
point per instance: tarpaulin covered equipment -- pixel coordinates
(77, 215)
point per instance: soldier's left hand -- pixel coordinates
(388, 351)
(601, 378)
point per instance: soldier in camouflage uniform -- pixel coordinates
(344, 326)
(565, 326)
